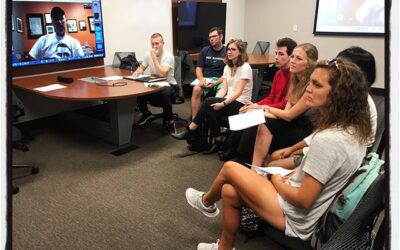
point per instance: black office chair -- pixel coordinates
(18, 143)
(187, 68)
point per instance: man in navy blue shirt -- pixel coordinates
(209, 69)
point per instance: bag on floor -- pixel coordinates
(250, 224)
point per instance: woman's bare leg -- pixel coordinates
(262, 144)
(239, 186)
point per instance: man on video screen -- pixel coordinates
(57, 44)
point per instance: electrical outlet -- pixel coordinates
(294, 27)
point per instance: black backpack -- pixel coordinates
(129, 62)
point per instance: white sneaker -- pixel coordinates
(194, 198)
(209, 246)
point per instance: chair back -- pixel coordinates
(187, 67)
(261, 48)
(179, 98)
(355, 232)
(256, 86)
(118, 56)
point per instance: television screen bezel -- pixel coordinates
(71, 60)
(342, 33)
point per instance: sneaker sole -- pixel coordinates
(144, 122)
(210, 215)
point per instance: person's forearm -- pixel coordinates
(232, 97)
(298, 146)
(199, 73)
(162, 71)
(287, 192)
(139, 70)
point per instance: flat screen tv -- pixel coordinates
(350, 17)
(195, 19)
(57, 31)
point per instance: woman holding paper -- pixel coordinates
(237, 86)
(283, 128)
(295, 204)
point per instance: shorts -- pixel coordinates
(288, 229)
(212, 91)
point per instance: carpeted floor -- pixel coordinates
(86, 198)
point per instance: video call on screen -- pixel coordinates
(40, 38)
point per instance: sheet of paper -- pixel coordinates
(50, 87)
(246, 120)
(112, 78)
(156, 84)
(273, 170)
(196, 81)
(139, 76)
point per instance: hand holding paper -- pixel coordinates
(246, 120)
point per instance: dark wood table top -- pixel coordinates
(82, 90)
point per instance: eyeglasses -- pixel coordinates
(231, 49)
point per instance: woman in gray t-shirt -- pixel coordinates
(294, 204)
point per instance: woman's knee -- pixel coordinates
(229, 194)
(263, 131)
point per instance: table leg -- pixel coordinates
(121, 120)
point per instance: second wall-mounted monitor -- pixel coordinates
(195, 19)
(45, 32)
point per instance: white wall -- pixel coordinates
(128, 25)
(274, 19)
(235, 15)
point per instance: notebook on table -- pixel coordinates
(146, 78)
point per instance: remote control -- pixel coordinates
(65, 79)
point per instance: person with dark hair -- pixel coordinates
(339, 93)
(363, 59)
(57, 44)
(161, 63)
(209, 69)
(236, 90)
(276, 98)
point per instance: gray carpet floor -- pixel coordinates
(86, 198)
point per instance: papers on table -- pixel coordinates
(50, 87)
(112, 78)
(246, 120)
(156, 84)
(273, 170)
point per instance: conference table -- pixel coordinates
(119, 94)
